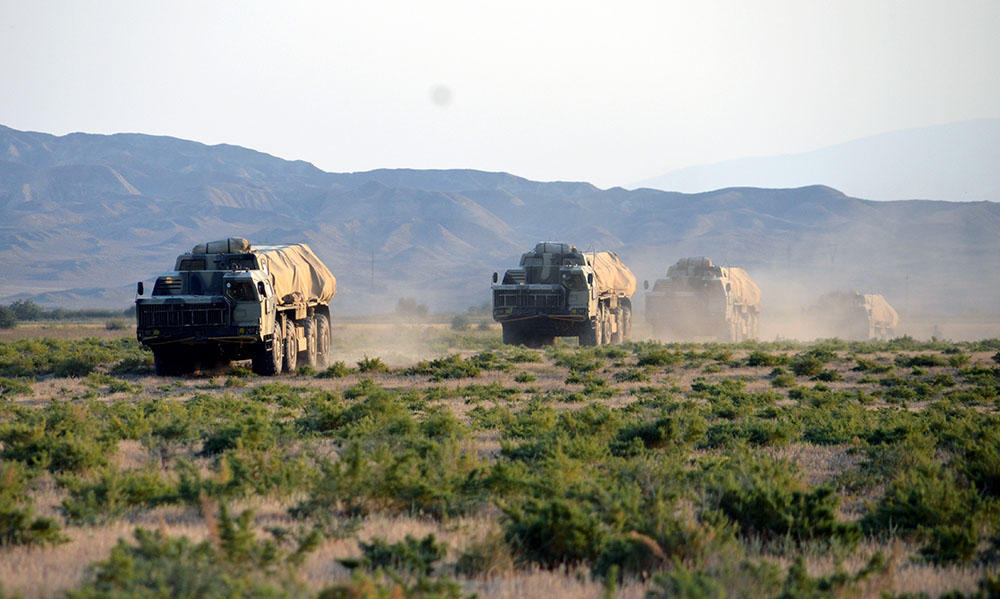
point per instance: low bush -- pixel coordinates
(335, 371)
(366, 364)
(12, 387)
(450, 367)
(411, 556)
(234, 565)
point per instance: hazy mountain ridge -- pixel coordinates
(955, 162)
(92, 212)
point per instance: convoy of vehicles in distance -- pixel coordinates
(699, 300)
(852, 315)
(559, 291)
(226, 300)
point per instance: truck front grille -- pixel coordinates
(182, 315)
(515, 299)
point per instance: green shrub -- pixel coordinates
(919, 360)
(7, 318)
(799, 584)
(335, 371)
(113, 493)
(366, 364)
(73, 367)
(930, 503)
(18, 524)
(871, 366)
(237, 566)
(410, 556)
(12, 387)
(525, 377)
(807, 364)
(631, 375)
(553, 532)
(681, 583)
(581, 360)
(764, 498)
(760, 358)
(658, 356)
(450, 367)
(828, 376)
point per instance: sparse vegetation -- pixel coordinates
(684, 470)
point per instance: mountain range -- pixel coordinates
(82, 217)
(954, 162)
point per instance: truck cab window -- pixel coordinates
(241, 291)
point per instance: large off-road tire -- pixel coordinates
(591, 334)
(615, 319)
(324, 341)
(268, 362)
(169, 362)
(309, 357)
(291, 346)
(626, 323)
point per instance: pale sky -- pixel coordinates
(606, 92)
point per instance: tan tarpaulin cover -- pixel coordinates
(742, 288)
(611, 273)
(881, 311)
(296, 268)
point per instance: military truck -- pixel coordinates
(226, 300)
(852, 315)
(699, 300)
(559, 291)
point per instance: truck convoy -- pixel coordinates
(226, 300)
(559, 291)
(853, 315)
(698, 299)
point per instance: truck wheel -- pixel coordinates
(591, 334)
(323, 341)
(626, 323)
(616, 318)
(291, 346)
(268, 362)
(309, 356)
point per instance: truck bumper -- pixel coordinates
(227, 334)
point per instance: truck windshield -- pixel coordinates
(241, 290)
(574, 281)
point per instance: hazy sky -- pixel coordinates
(604, 92)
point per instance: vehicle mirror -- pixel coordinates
(260, 289)
(590, 278)
(645, 284)
(138, 288)
(494, 277)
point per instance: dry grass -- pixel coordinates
(45, 572)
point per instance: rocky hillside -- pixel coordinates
(82, 217)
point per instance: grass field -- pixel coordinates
(435, 463)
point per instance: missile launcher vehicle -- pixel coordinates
(699, 300)
(227, 300)
(559, 291)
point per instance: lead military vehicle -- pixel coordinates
(226, 300)
(559, 291)
(853, 315)
(698, 299)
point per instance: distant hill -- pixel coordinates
(82, 217)
(955, 162)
